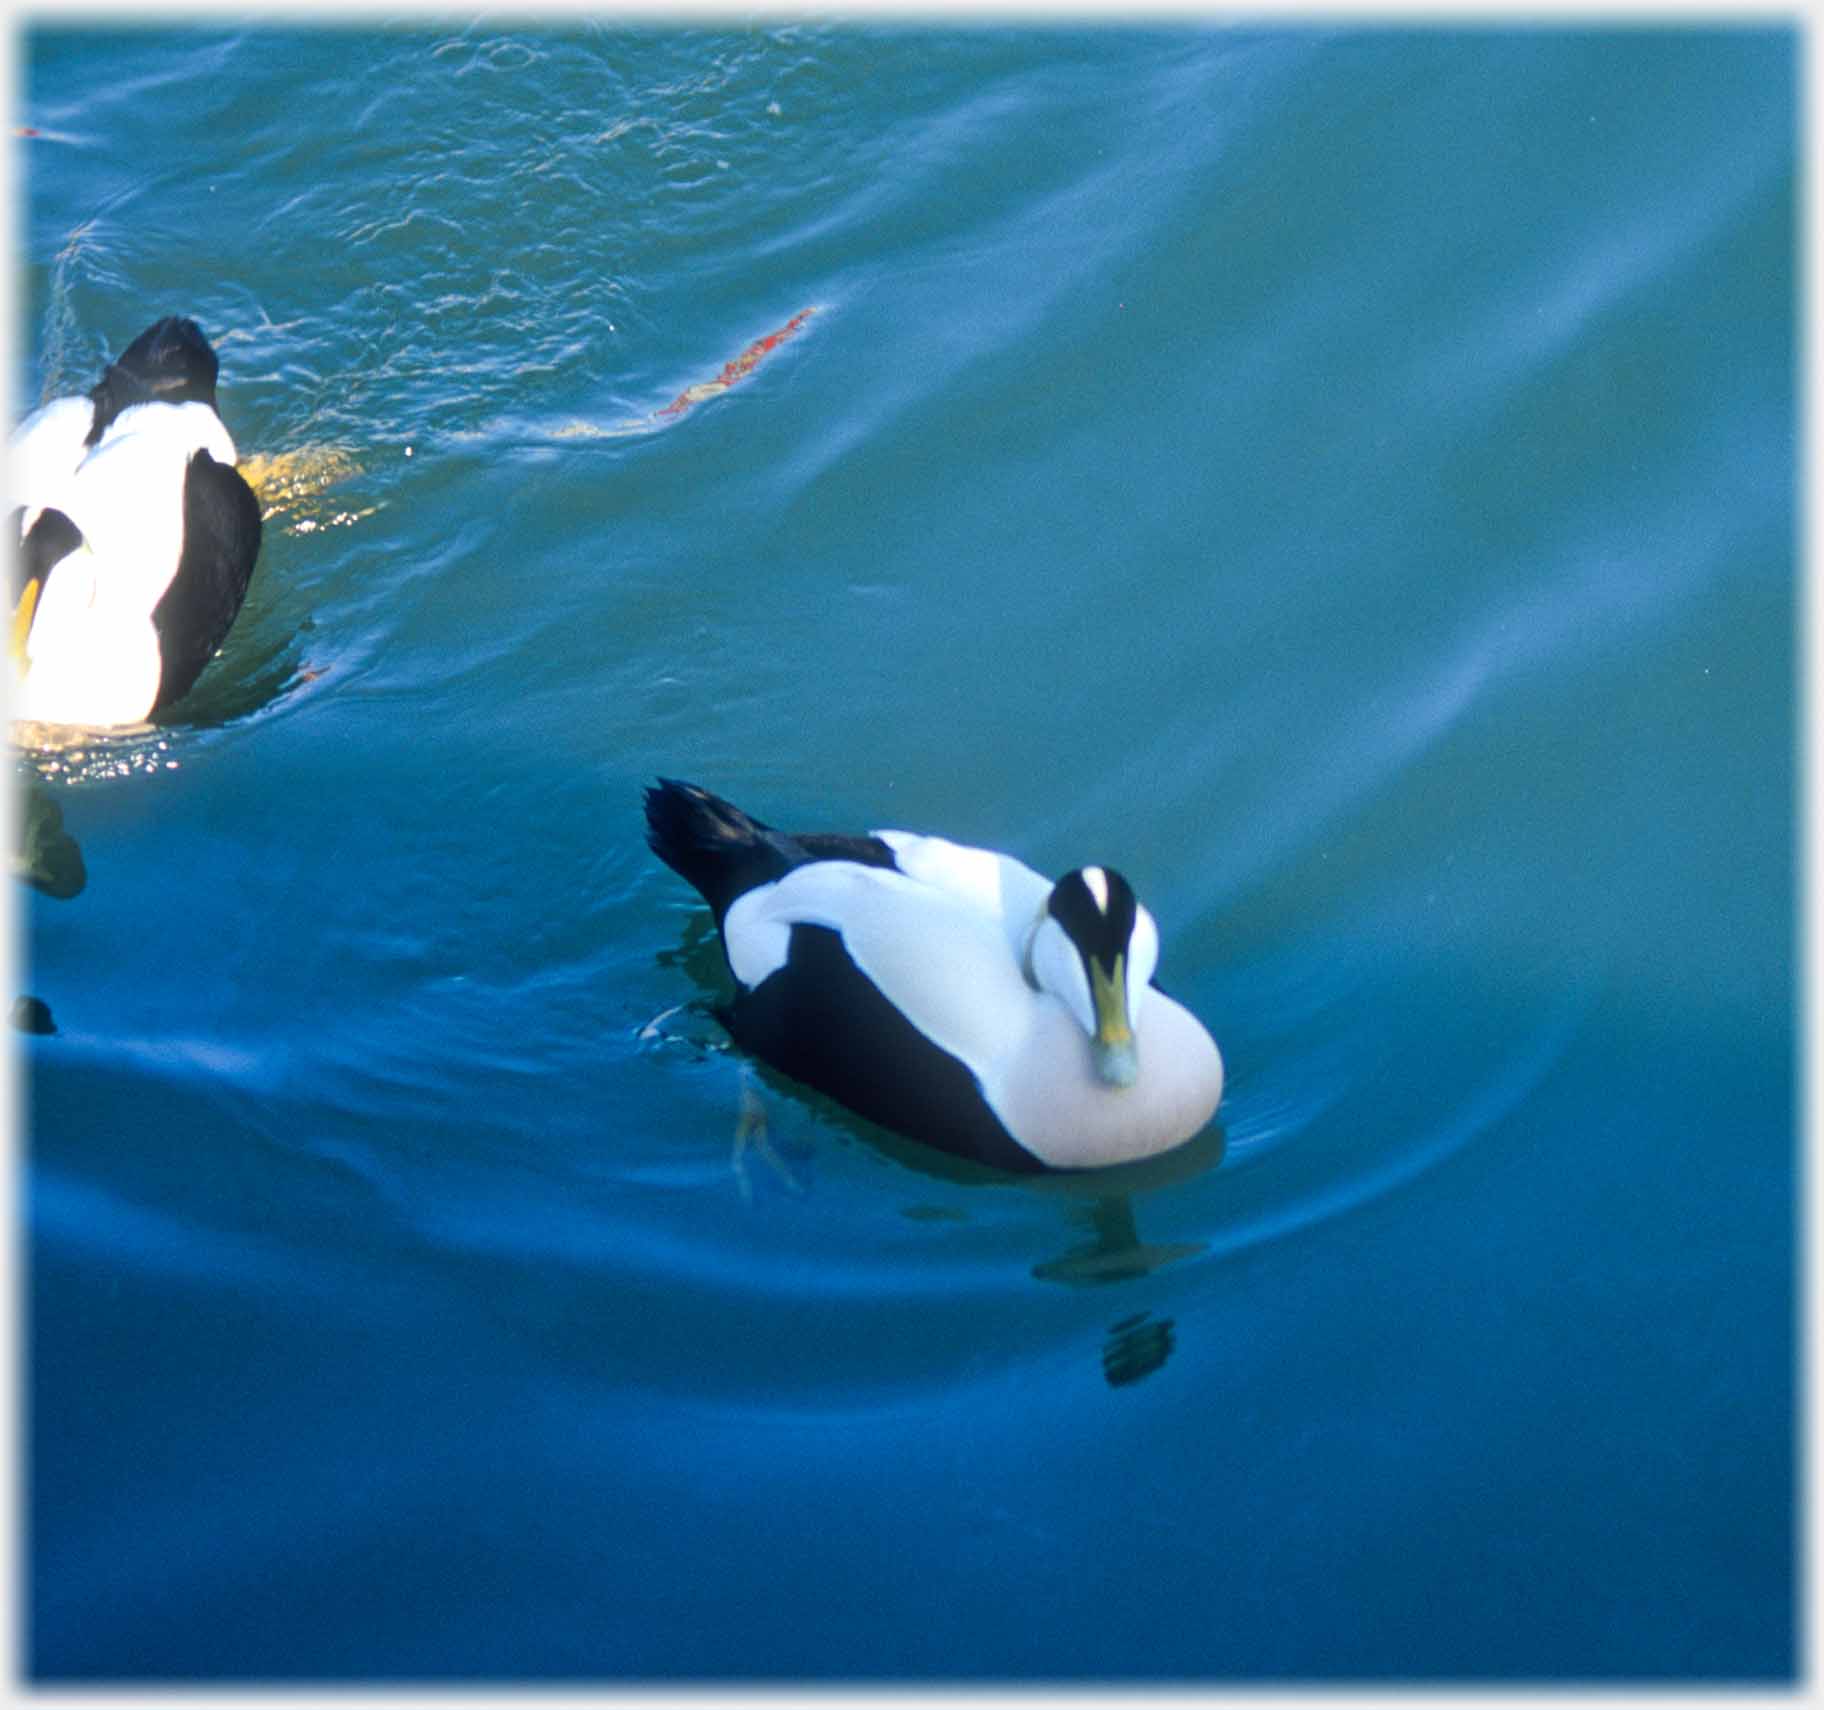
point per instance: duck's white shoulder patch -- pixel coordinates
(984, 879)
(842, 895)
(755, 936)
(183, 429)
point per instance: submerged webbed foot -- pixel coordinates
(750, 1131)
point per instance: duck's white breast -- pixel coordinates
(1048, 1096)
(90, 662)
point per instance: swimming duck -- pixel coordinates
(136, 536)
(946, 992)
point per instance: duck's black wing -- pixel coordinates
(221, 544)
(821, 1020)
(51, 539)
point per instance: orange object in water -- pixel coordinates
(742, 366)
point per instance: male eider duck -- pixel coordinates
(136, 537)
(951, 994)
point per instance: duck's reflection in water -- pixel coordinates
(1097, 1204)
(1114, 1253)
(1136, 1348)
(48, 859)
(1140, 1344)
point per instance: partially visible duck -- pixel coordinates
(136, 537)
(949, 993)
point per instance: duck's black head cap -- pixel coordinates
(169, 363)
(1096, 908)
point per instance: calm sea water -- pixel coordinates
(1343, 477)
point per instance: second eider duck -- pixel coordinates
(136, 537)
(949, 993)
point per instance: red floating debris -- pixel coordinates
(742, 366)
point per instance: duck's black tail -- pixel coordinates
(170, 362)
(724, 852)
(713, 844)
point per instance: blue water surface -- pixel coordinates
(1342, 476)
